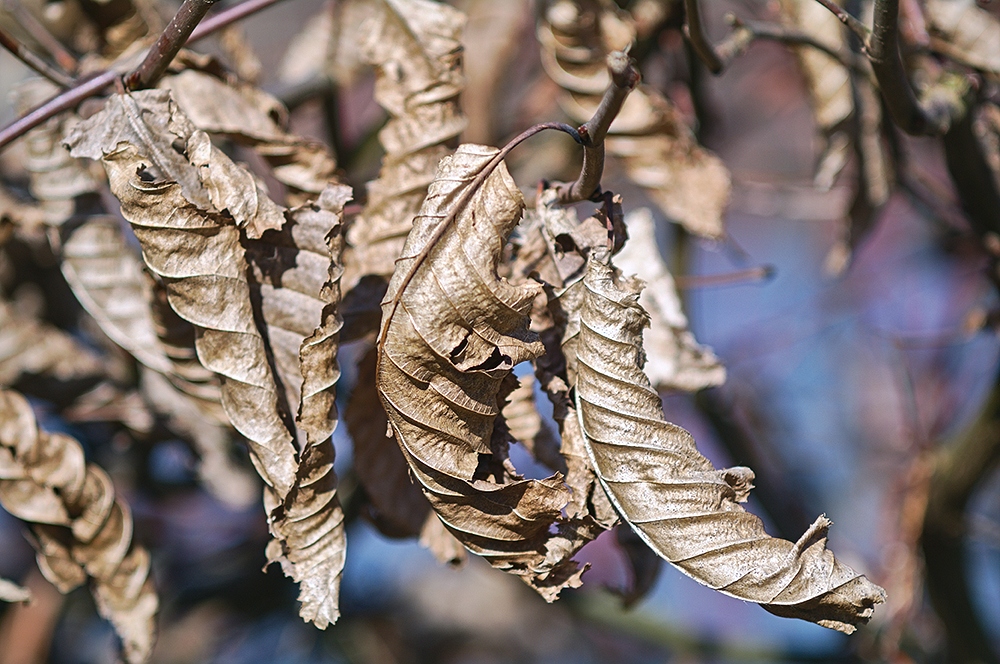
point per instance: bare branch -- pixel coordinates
(944, 102)
(624, 78)
(22, 53)
(94, 85)
(695, 33)
(168, 44)
(859, 29)
(783, 35)
(39, 33)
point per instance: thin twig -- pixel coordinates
(224, 18)
(859, 29)
(168, 44)
(738, 278)
(40, 33)
(93, 86)
(934, 114)
(22, 53)
(791, 37)
(695, 32)
(624, 78)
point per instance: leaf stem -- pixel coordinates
(25, 55)
(89, 87)
(624, 78)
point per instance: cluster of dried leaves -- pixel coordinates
(232, 288)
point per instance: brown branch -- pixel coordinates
(960, 469)
(624, 78)
(746, 32)
(783, 35)
(168, 44)
(40, 34)
(22, 53)
(940, 107)
(695, 32)
(94, 85)
(859, 29)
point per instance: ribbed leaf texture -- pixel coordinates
(81, 531)
(446, 350)
(672, 496)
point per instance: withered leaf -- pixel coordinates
(673, 497)
(11, 592)
(398, 506)
(674, 359)
(173, 149)
(828, 82)
(30, 346)
(970, 29)
(415, 47)
(657, 148)
(298, 272)
(56, 178)
(446, 348)
(107, 278)
(199, 255)
(81, 530)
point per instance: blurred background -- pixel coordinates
(842, 389)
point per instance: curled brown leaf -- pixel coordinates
(451, 333)
(81, 530)
(672, 496)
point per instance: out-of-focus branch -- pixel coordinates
(746, 32)
(40, 34)
(718, 58)
(943, 104)
(624, 78)
(94, 85)
(960, 469)
(25, 55)
(168, 44)
(695, 32)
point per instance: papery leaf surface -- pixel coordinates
(683, 507)
(81, 530)
(447, 348)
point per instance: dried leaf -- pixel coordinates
(674, 359)
(399, 508)
(56, 178)
(327, 45)
(250, 116)
(673, 497)
(30, 346)
(107, 278)
(446, 349)
(207, 179)
(199, 255)
(11, 592)
(298, 273)
(970, 29)
(82, 531)
(828, 82)
(657, 148)
(415, 47)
